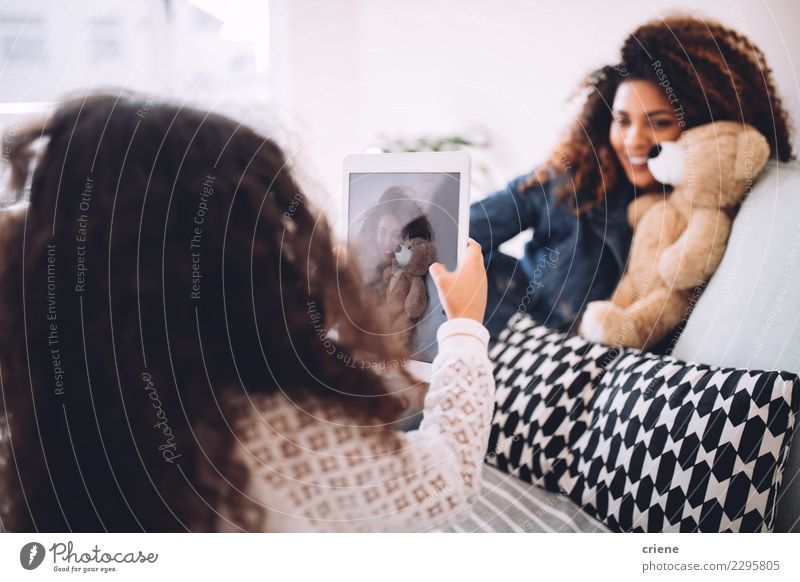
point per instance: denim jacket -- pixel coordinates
(569, 261)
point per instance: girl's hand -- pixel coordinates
(463, 292)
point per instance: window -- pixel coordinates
(197, 50)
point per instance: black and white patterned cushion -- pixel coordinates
(641, 442)
(545, 382)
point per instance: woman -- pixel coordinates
(673, 74)
(163, 347)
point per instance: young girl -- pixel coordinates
(673, 74)
(164, 348)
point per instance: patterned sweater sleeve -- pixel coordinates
(312, 470)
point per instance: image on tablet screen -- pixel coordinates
(400, 223)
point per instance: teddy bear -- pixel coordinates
(679, 238)
(406, 295)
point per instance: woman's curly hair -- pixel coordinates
(166, 266)
(713, 72)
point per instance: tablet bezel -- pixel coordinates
(413, 162)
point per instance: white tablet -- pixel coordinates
(401, 212)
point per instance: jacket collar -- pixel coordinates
(609, 221)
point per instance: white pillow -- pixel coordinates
(749, 314)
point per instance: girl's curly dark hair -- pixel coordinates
(712, 73)
(166, 264)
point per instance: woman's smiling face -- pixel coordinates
(641, 117)
(388, 236)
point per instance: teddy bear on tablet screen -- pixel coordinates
(404, 279)
(679, 238)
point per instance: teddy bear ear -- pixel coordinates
(752, 152)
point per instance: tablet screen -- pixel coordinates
(398, 224)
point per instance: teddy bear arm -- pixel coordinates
(625, 293)
(694, 257)
(398, 288)
(417, 298)
(640, 205)
(654, 316)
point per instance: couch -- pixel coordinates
(748, 317)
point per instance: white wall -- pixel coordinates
(348, 71)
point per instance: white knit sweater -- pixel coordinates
(312, 468)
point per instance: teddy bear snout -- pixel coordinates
(654, 151)
(402, 254)
(665, 161)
